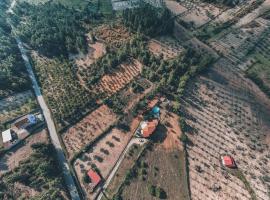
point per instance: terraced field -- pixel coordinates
(111, 83)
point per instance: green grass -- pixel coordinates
(259, 72)
(105, 7)
(240, 175)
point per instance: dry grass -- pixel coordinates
(88, 129)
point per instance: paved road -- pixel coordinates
(113, 172)
(47, 115)
(51, 127)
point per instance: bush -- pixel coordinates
(86, 179)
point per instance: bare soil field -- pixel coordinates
(113, 82)
(88, 129)
(95, 51)
(228, 114)
(22, 151)
(113, 35)
(175, 7)
(104, 154)
(16, 105)
(165, 46)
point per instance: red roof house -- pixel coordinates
(228, 161)
(94, 177)
(148, 128)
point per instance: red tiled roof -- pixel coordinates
(228, 161)
(95, 178)
(150, 128)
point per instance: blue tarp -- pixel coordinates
(32, 119)
(156, 110)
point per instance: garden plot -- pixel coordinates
(228, 115)
(16, 105)
(113, 35)
(22, 151)
(115, 81)
(88, 129)
(104, 154)
(166, 47)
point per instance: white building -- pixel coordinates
(6, 136)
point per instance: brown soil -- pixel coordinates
(88, 129)
(111, 83)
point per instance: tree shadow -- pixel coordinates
(159, 135)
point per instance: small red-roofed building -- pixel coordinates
(148, 128)
(95, 178)
(228, 161)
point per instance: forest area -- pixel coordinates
(40, 172)
(13, 77)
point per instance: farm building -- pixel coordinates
(94, 177)
(228, 161)
(147, 128)
(6, 136)
(9, 138)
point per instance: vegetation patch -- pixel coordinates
(39, 176)
(13, 76)
(68, 100)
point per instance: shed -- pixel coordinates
(6, 136)
(94, 177)
(228, 161)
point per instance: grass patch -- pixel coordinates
(259, 72)
(239, 174)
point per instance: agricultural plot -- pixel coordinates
(113, 35)
(22, 151)
(67, 99)
(104, 154)
(160, 165)
(128, 162)
(166, 47)
(113, 82)
(228, 115)
(239, 42)
(16, 105)
(88, 129)
(198, 13)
